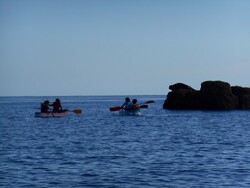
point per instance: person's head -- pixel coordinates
(127, 99)
(57, 100)
(46, 102)
(134, 101)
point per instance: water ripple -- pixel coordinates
(161, 148)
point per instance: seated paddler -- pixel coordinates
(45, 107)
(57, 107)
(127, 105)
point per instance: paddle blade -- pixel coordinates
(77, 111)
(148, 102)
(116, 108)
(144, 106)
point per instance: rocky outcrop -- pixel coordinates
(180, 86)
(213, 95)
(243, 95)
(182, 96)
(217, 95)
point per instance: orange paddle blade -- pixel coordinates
(77, 111)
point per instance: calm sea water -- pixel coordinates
(98, 148)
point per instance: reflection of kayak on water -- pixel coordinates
(52, 114)
(130, 112)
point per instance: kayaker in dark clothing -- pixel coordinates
(127, 104)
(57, 106)
(45, 107)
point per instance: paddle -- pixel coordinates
(144, 106)
(148, 102)
(117, 108)
(76, 111)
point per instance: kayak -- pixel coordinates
(130, 113)
(51, 114)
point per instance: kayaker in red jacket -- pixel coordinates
(57, 106)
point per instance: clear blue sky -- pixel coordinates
(121, 47)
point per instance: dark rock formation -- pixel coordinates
(180, 86)
(217, 95)
(213, 95)
(243, 94)
(182, 97)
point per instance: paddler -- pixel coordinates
(135, 106)
(127, 105)
(45, 106)
(57, 107)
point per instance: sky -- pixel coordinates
(121, 47)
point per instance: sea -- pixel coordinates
(99, 148)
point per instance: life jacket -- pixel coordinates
(135, 106)
(128, 106)
(57, 107)
(44, 108)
